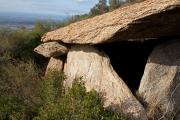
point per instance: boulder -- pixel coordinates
(51, 49)
(55, 64)
(147, 19)
(95, 68)
(160, 84)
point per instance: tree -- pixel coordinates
(132, 0)
(103, 8)
(113, 4)
(100, 8)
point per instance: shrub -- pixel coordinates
(12, 108)
(19, 44)
(19, 86)
(74, 104)
(19, 74)
(51, 93)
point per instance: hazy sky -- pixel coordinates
(60, 7)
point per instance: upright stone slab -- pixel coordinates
(55, 64)
(160, 84)
(95, 68)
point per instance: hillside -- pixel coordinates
(119, 61)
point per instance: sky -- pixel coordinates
(55, 7)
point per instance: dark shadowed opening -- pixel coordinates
(129, 59)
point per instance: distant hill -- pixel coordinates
(27, 19)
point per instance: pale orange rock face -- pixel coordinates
(95, 68)
(55, 64)
(160, 84)
(147, 19)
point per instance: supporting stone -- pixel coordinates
(55, 64)
(160, 84)
(95, 68)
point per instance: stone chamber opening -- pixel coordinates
(129, 59)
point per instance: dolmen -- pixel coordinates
(73, 50)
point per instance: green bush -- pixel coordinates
(25, 96)
(12, 108)
(19, 75)
(19, 86)
(74, 104)
(19, 44)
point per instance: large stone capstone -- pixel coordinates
(147, 19)
(160, 84)
(95, 68)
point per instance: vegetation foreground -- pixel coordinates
(27, 95)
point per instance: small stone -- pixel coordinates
(51, 49)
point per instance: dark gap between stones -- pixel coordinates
(129, 59)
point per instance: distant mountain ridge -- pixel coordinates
(27, 19)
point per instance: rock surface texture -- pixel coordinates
(147, 19)
(51, 49)
(55, 64)
(95, 68)
(160, 84)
